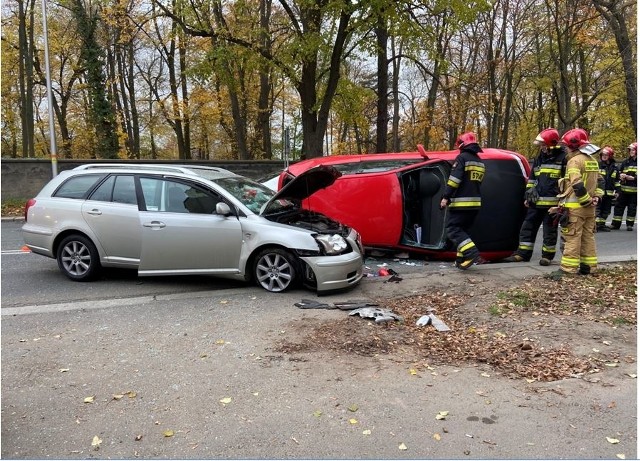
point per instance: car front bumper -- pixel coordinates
(336, 272)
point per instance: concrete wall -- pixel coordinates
(23, 178)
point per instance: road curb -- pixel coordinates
(12, 218)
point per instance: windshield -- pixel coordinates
(252, 194)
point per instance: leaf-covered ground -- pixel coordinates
(502, 328)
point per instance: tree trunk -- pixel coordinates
(382, 117)
(615, 14)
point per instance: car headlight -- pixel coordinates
(331, 244)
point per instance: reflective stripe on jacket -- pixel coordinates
(581, 182)
(463, 186)
(630, 167)
(546, 170)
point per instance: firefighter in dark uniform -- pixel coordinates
(628, 190)
(609, 173)
(540, 195)
(462, 196)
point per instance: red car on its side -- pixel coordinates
(393, 200)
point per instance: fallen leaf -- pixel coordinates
(63, 370)
(413, 372)
(353, 408)
(366, 432)
(353, 421)
(612, 440)
(96, 442)
(402, 446)
(224, 301)
(226, 400)
(132, 394)
(436, 436)
(317, 413)
(118, 396)
(611, 364)
(89, 399)
(632, 375)
(442, 415)
(486, 375)
(621, 456)
(138, 438)
(168, 433)
(220, 341)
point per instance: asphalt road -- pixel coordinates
(174, 368)
(29, 279)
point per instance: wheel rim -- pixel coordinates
(76, 258)
(274, 272)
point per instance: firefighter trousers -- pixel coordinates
(628, 201)
(529, 230)
(458, 225)
(578, 235)
(603, 210)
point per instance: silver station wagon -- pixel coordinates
(187, 219)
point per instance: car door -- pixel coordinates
(111, 211)
(424, 223)
(181, 232)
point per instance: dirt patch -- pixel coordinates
(539, 329)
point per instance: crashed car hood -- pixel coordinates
(306, 184)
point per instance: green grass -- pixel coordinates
(13, 206)
(515, 297)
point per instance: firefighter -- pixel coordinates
(540, 195)
(462, 196)
(627, 191)
(609, 172)
(580, 192)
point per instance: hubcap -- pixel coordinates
(274, 272)
(76, 258)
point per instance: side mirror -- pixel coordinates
(223, 209)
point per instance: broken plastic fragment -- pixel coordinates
(380, 315)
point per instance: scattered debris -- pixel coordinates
(431, 319)
(342, 305)
(380, 315)
(311, 304)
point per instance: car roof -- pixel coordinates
(207, 172)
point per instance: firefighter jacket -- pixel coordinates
(463, 187)
(609, 173)
(546, 170)
(630, 167)
(582, 181)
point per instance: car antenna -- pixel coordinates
(423, 152)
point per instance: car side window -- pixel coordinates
(177, 197)
(104, 191)
(78, 186)
(118, 189)
(124, 190)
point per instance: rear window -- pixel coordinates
(374, 166)
(78, 186)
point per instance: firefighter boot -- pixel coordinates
(514, 258)
(584, 269)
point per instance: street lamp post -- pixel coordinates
(52, 132)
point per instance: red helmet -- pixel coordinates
(575, 139)
(633, 147)
(607, 150)
(465, 139)
(548, 137)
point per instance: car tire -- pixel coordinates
(275, 270)
(78, 258)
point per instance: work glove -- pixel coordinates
(531, 195)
